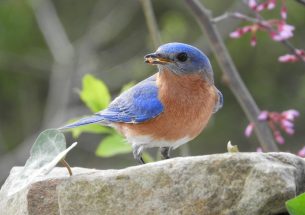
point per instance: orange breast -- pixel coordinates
(188, 104)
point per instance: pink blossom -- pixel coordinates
(299, 53)
(271, 4)
(284, 32)
(291, 114)
(286, 123)
(260, 7)
(301, 153)
(278, 29)
(289, 131)
(278, 137)
(277, 121)
(252, 4)
(259, 149)
(249, 129)
(284, 12)
(263, 115)
(288, 58)
(240, 31)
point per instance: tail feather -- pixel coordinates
(84, 121)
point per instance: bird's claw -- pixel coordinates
(137, 154)
(165, 152)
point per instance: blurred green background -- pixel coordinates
(40, 73)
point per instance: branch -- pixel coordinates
(63, 55)
(262, 21)
(234, 80)
(301, 2)
(151, 22)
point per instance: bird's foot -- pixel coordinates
(137, 154)
(165, 152)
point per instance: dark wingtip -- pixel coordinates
(83, 121)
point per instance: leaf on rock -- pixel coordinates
(48, 149)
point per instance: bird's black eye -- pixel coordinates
(182, 57)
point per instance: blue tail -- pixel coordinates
(85, 121)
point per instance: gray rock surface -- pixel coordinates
(236, 183)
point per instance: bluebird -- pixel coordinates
(167, 109)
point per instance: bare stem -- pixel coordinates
(234, 15)
(234, 80)
(301, 2)
(65, 164)
(261, 20)
(151, 22)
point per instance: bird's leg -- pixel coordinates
(165, 152)
(137, 153)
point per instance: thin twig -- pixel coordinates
(151, 22)
(261, 20)
(234, 15)
(301, 2)
(65, 164)
(234, 80)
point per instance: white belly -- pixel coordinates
(148, 142)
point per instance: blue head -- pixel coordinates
(181, 59)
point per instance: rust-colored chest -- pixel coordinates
(188, 104)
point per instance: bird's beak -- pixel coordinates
(155, 58)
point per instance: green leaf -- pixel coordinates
(48, 149)
(113, 145)
(127, 86)
(95, 93)
(90, 128)
(296, 206)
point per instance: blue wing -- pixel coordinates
(138, 104)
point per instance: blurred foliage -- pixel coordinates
(120, 41)
(112, 145)
(94, 94)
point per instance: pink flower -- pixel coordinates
(263, 115)
(301, 153)
(276, 121)
(259, 149)
(288, 58)
(284, 12)
(284, 32)
(299, 53)
(278, 137)
(240, 32)
(278, 29)
(269, 4)
(252, 4)
(249, 129)
(291, 114)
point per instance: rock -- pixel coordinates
(232, 183)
